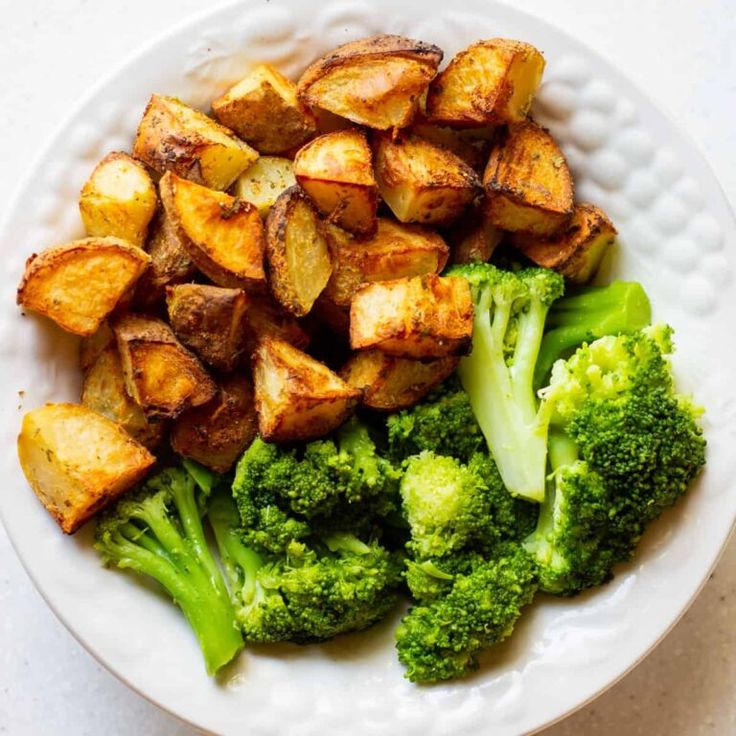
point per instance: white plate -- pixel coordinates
(674, 225)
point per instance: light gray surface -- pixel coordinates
(682, 54)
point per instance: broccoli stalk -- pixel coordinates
(158, 532)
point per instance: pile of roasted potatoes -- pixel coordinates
(322, 213)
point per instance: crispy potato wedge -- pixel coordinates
(336, 171)
(216, 433)
(491, 81)
(422, 317)
(263, 110)
(78, 284)
(471, 149)
(209, 320)
(173, 136)
(104, 391)
(118, 199)
(263, 182)
(395, 251)
(297, 397)
(377, 81)
(161, 375)
(265, 318)
(422, 182)
(528, 187)
(577, 251)
(389, 383)
(222, 235)
(298, 254)
(474, 239)
(77, 461)
(92, 346)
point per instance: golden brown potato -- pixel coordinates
(222, 235)
(161, 375)
(119, 199)
(297, 397)
(216, 433)
(104, 391)
(471, 149)
(375, 81)
(576, 252)
(263, 110)
(265, 318)
(422, 182)
(298, 254)
(421, 317)
(491, 81)
(473, 239)
(91, 347)
(336, 171)
(210, 321)
(78, 461)
(78, 284)
(263, 182)
(390, 383)
(175, 137)
(395, 251)
(528, 187)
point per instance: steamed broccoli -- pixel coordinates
(510, 309)
(157, 531)
(433, 577)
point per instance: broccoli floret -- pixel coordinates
(157, 531)
(585, 315)
(442, 639)
(431, 578)
(510, 309)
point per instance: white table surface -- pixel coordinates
(681, 52)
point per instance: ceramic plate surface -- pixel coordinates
(674, 226)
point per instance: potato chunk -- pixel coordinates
(175, 137)
(528, 187)
(336, 171)
(265, 318)
(119, 199)
(210, 321)
(375, 81)
(216, 433)
(576, 252)
(77, 461)
(464, 144)
(161, 375)
(263, 182)
(222, 235)
(298, 254)
(422, 182)
(78, 284)
(491, 81)
(263, 109)
(390, 383)
(421, 317)
(473, 239)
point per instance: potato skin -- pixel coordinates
(78, 461)
(265, 318)
(218, 432)
(78, 285)
(473, 239)
(422, 317)
(262, 183)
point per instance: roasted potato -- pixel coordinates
(118, 199)
(263, 182)
(576, 252)
(92, 346)
(471, 149)
(474, 238)
(395, 251)
(175, 137)
(390, 383)
(209, 320)
(528, 187)
(216, 433)
(422, 182)
(222, 235)
(263, 110)
(78, 284)
(298, 253)
(377, 81)
(161, 375)
(336, 171)
(297, 397)
(77, 461)
(265, 318)
(491, 81)
(422, 317)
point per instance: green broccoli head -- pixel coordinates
(433, 577)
